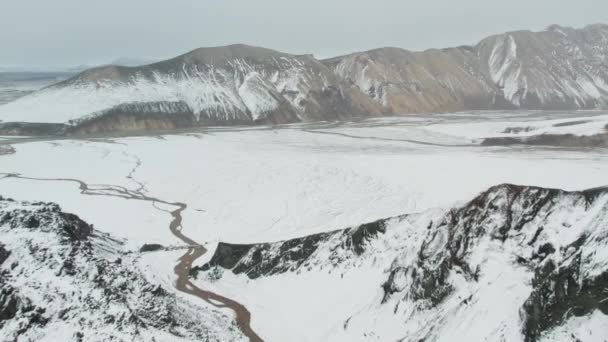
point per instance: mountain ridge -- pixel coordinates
(539, 248)
(560, 68)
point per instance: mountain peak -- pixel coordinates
(218, 54)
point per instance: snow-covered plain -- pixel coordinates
(263, 184)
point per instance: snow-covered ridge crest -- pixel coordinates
(61, 280)
(527, 260)
(226, 93)
(235, 84)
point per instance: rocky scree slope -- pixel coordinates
(61, 280)
(516, 263)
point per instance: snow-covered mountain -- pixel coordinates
(560, 68)
(516, 263)
(402, 81)
(557, 69)
(236, 84)
(61, 280)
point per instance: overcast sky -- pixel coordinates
(73, 32)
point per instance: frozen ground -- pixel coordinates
(259, 184)
(586, 124)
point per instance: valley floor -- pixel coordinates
(249, 185)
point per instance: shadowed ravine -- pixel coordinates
(182, 269)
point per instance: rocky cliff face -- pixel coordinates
(557, 69)
(61, 280)
(516, 263)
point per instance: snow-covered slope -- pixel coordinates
(559, 68)
(514, 264)
(236, 84)
(61, 280)
(415, 82)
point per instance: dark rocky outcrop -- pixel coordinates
(561, 291)
(563, 140)
(3, 253)
(152, 247)
(265, 259)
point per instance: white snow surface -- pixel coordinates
(590, 328)
(581, 125)
(265, 185)
(74, 292)
(504, 67)
(220, 93)
(558, 69)
(257, 185)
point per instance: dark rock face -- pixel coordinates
(259, 260)
(565, 140)
(48, 217)
(153, 247)
(3, 253)
(560, 291)
(9, 303)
